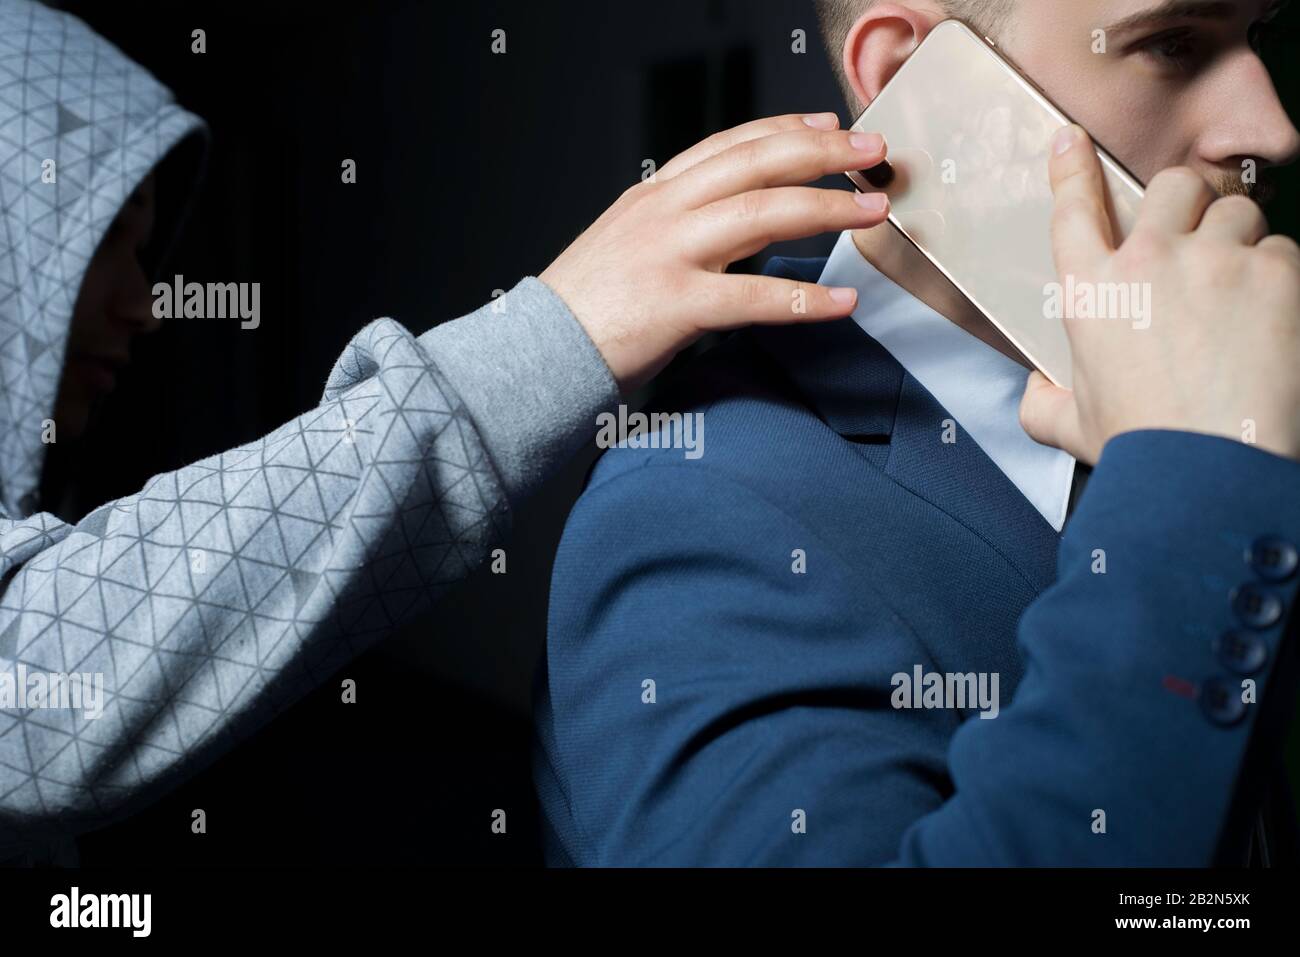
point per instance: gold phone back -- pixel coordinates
(969, 139)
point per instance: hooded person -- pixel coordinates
(140, 642)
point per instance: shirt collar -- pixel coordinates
(976, 383)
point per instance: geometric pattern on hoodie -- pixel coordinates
(221, 592)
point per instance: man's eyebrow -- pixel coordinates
(1184, 10)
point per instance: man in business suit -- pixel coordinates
(783, 651)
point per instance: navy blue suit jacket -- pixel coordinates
(703, 702)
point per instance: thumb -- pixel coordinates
(1048, 414)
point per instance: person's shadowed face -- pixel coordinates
(113, 306)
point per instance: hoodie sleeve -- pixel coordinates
(220, 593)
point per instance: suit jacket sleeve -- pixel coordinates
(705, 705)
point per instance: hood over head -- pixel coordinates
(71, 105)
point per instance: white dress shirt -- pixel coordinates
(976, 383)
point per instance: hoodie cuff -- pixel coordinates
(530, 378)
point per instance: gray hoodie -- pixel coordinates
(220, 593)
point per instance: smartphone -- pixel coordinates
(969, 137)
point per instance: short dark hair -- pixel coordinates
(837, 17)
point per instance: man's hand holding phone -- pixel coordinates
(1222, 349)
(648, 278)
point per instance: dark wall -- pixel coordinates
(473, 171)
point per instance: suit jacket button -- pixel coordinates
(1221, 701)
(1256, 606)
(1241, 652)
(1274, 559)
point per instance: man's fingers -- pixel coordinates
(755, 129)
(740, 226)
(1279, 245)
(1175, 201)
(1235, 219)
(1081, 229)
(782, 159)
(1048, 414)
(734, 300)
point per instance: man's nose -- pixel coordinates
(1250, 122)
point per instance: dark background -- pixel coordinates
(473, 170)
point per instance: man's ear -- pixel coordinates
(880, 41)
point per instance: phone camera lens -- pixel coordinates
(879, 176)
